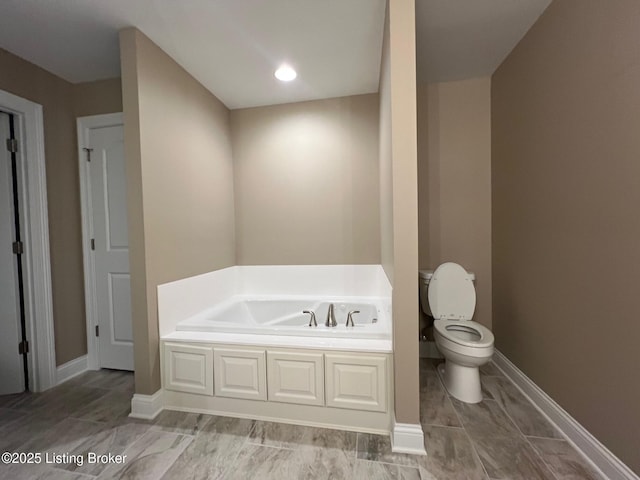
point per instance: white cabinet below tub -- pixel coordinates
(295, 377)
(356, 381)
(188, 368)
(240, 373)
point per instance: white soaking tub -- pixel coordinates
(283, 315)
(236, 342)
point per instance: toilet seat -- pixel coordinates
(451, 294)
(454, 331)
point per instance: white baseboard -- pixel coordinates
(71, 369)
(407, 438)
(595, 452)
(146, 407)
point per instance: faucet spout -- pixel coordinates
(331, 318)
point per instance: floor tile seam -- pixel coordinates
(159, 428)
(132, 444)
(464, 428)
(448, 399)
(533, 448)
(427, 424)
(71, 417)
(249, 442)
(387, 463)
(527, 443)
(233, 462)
(208, 420)
(475, 450)
(539, 455)
(466, 432)
(517, 428)
(530, 404)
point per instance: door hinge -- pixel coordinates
(93, 244)
(18, 248)
(97, 330)
(88, 150)
(12, 145)
(23, 347)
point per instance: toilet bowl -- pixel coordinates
(466, 345)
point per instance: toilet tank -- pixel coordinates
(425, 278)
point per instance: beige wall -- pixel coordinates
(454, 170)
(566, 228)
(398, 198)
(61, 102)
(385, 155)
(179, 186)
(96, 98)
(306, 182)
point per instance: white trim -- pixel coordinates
(275, 419)
(407, 438)
(84, 124)
(71, 369)
(37, 284)
(599, 456)
(147, 407)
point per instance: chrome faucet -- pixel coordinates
(312, 320)
(331, 318)
(350, 317)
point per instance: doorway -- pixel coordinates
(14, 371)
(106, 242)
(27, 351)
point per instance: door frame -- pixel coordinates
(90, 293)
(41, 358)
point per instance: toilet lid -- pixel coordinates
(451, 293)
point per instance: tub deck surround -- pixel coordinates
(285, 341)
(235, 342)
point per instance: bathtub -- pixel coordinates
(235, 342)
(282, 315)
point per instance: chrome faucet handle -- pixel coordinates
(312, 319)
(331, 317)
(350, 317)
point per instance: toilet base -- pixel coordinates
(461, 382)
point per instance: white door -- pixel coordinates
(110, 245)
(11, 366)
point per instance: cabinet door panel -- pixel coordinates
(295, 377)
(356, 381)
(240, 373)
(188, 368)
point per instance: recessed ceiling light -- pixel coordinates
(285, 73)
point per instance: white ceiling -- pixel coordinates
(458, 39)
(233, 46)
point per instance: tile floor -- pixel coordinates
(503, 437)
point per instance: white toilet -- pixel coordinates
(449, 296)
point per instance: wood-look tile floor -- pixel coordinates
(503, 437)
